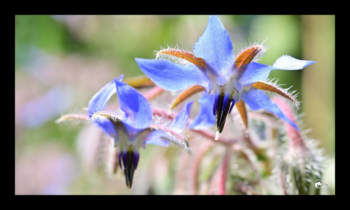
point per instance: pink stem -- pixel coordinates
(223, 172)
(205, 133)
(164, 128)
(213, 184)
(196, 164)
(163, 113)
(218, 183)
(153, 93)
(296, 140)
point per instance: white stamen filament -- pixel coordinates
(217, 135)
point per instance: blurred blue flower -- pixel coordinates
(38, 111)
(226, 78)
(132, 129)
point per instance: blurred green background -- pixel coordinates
(61, 61)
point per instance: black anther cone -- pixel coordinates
(129, 168)
(221, 114)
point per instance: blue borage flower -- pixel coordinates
(132, 129)
(226, 78)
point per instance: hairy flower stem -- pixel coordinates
(73, 117)
(185, 144)
(198, 157)
(218, 183)
(260, 153)
(296, 140)
(205, 133)
(223, 172)
(282, 182)
(162, 113)
(250, 143)
(243, 114)
(256, 171)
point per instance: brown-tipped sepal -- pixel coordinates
(186, 94)
(249, 54)
(243, 112)
(272, 87)
(188, 56)
(139, 81)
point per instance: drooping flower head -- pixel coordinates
(132, 129)
(226, 78)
